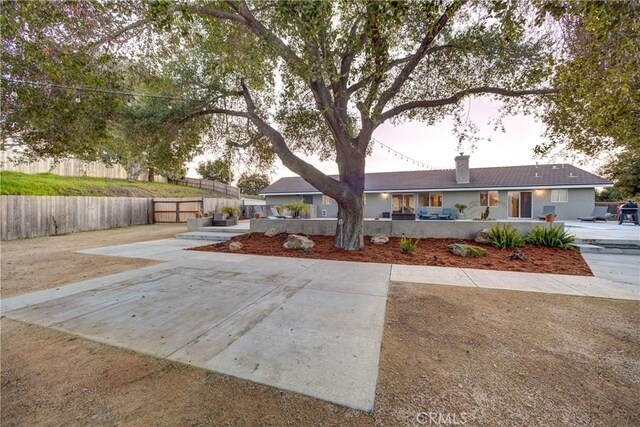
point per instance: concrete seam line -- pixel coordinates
(469, 277)
(564, 284)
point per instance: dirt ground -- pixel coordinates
(28, 265)
(485, 357)
(429, 252)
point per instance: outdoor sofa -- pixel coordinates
(546, 210)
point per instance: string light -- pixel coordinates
(403, 157)
(78, 89)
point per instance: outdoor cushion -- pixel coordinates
(446, 214)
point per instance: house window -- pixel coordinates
(430, 200)
(560, 196)
(326, 200)
(489, 198)
(435, 200)
(307, 199)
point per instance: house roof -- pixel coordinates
(531, 176)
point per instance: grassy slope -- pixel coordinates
(47, 184)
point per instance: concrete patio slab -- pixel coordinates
(450, 276)
(308, 326)
(319, 343)
(616, 267)
(343, 276)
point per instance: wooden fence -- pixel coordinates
(205, 184)
(175, 210)
(69, 167)
(33, 216)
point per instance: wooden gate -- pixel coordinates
(174, 211)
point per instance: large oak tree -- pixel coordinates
(285, 78)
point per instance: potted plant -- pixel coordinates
(296, 208)
(256, 215)
(230, 211)
(550, 217)
(461, 208)
(198, 214)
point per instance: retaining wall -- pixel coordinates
(459, 229)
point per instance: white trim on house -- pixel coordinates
(420, 190)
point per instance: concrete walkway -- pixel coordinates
(308, 326)
(512, 280)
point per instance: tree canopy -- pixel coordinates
(597, 108)
(260, 79)
(216, 170)
(252, 183)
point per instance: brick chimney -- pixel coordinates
(462, 169)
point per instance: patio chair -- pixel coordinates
(599, 213)
(276, 214)
(547, 210)
(423, 214)
(446, 214)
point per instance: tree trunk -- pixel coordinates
(151, 175)
(349, 231)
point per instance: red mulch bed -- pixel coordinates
(429, 252)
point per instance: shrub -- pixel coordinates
(553, 237)
(407, 245)
(230, 211)
(504, 237)
(296, 208)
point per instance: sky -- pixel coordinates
(437, 145)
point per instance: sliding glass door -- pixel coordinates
(403, 203)
(519, 204)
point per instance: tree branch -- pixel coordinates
(118, 33)
(257, 137)
(420, 53)
(311, 174)
(431, 103)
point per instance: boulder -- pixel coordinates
(466, 250)
(380, 239)
(271, 232)
(295, 241)
(235, 246)
(483, 236)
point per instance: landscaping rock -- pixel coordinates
(518, 255)
(380, 239)
(295, 241)
(466, 250)
(271, 232)
(483, 236)
(235, 246)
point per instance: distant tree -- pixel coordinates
(252, 183)
(624, 171)
(217, 170)
(609, 194)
